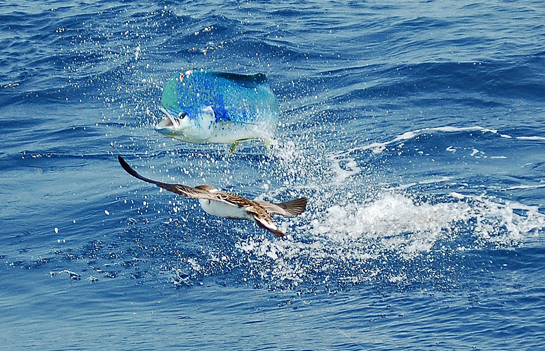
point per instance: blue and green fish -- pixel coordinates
(215, 107)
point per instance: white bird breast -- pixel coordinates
(221, 209)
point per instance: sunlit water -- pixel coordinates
(416, 130)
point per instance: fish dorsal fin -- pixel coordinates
(245, 80)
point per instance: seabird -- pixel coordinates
(229, 205)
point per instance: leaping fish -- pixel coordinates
(229, 205)
(215, 107)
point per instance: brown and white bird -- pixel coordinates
(229, 205)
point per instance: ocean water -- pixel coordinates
(416, 129)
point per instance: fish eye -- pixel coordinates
(182, 115)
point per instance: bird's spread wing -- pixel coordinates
(258, 209)
(186, 191)
(289, 209)
(263, 219)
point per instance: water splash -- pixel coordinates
(351, 243)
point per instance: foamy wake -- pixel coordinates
(345, 241)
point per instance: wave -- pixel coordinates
(370, 217)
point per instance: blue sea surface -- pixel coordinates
(415, 128)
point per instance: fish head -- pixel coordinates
(188, 114)
(192, 126)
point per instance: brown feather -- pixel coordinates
(260, 210)
(288, 209)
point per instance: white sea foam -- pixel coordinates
(343, 168)
(526, 186)
(378, 147)
(393, 220)
(403, 224)
(532, 138)
(394, 226)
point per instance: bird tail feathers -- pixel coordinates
(288, 209)
(294, 207)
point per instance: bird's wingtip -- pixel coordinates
(270, 226)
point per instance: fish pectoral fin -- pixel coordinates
(233, 147)
(235, 144)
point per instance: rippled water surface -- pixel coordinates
(416, 130)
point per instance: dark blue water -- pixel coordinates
(416, 129)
